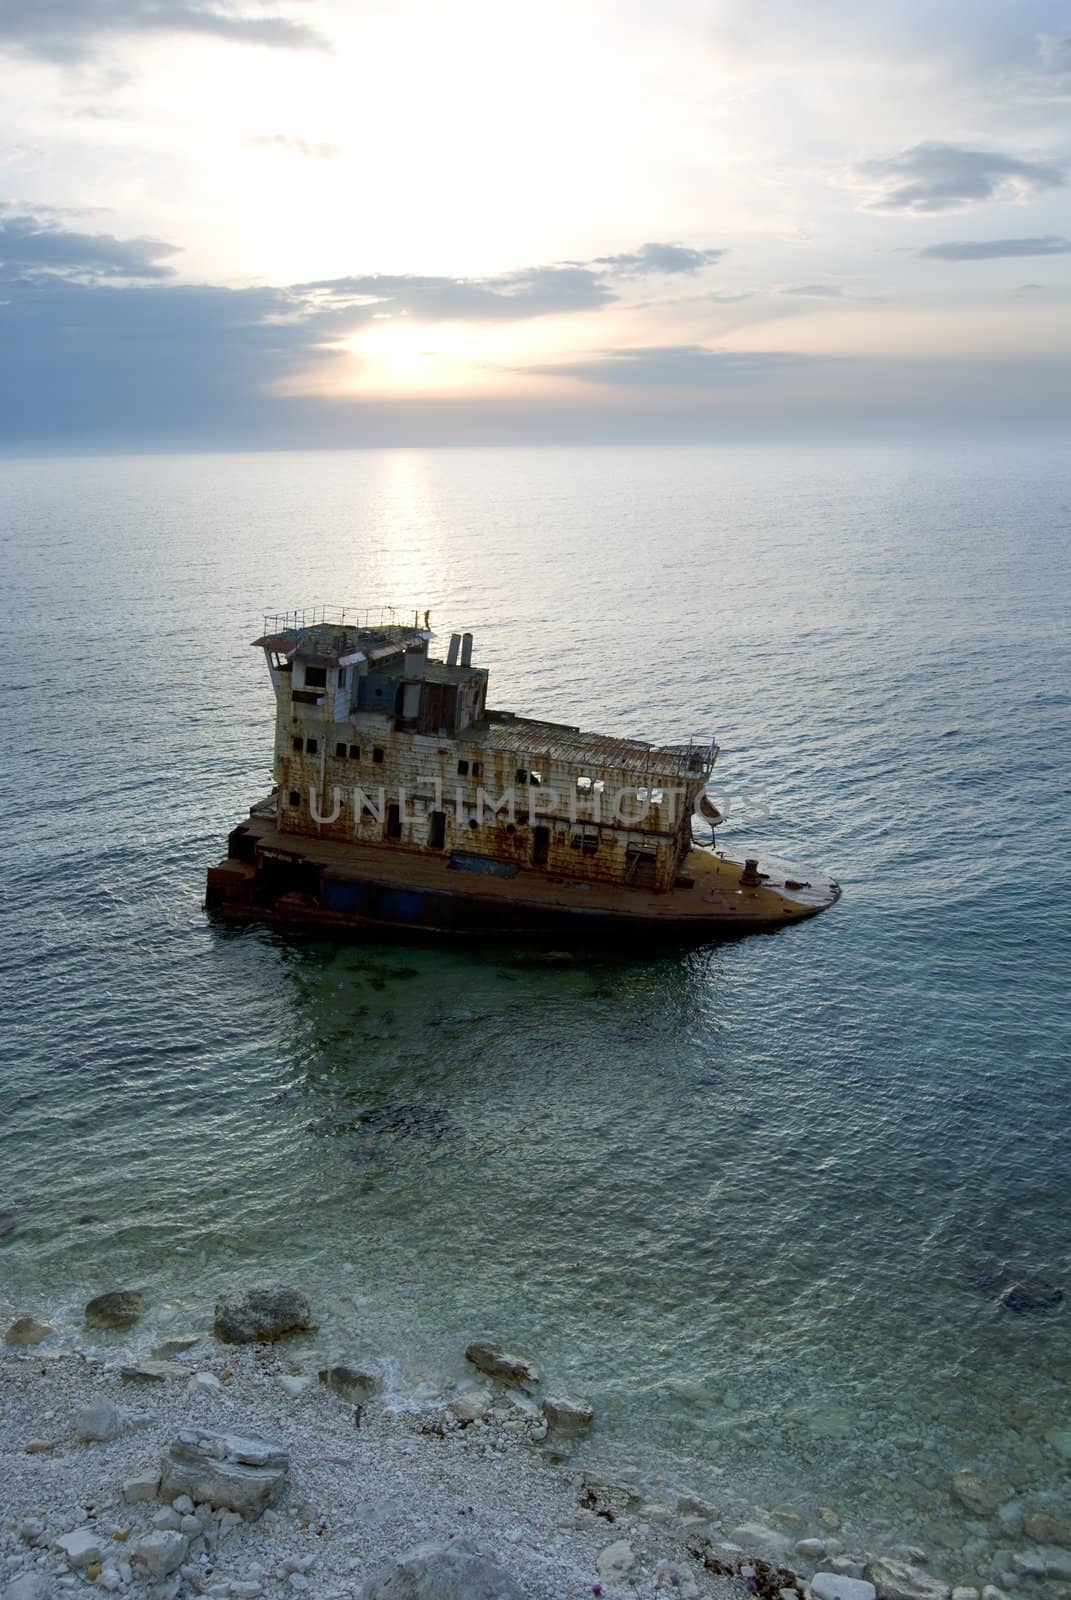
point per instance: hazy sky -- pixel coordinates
(226, 223)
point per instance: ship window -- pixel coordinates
(522, 775)
(584, 785)
(473, 823)
(394, 823)
(535, 777)
(462, 769)
(340, 751)
(295, 797)
(377, 755)
(355, 752)
(311, 747)
(299, 745)
(316, 677)
(591, 844)
(477, 769)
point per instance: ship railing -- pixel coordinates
(696, 755)
(345, 616)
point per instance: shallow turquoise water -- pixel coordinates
(751, 1198)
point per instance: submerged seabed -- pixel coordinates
(758, 1200)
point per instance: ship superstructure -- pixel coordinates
(402, 798)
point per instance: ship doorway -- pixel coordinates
(394, 823)
(540, 846)
(437, 830)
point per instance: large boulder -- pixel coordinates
(566, 1415)
(250, 1316)
(1046, 1529)
(27, 1331)
(355, 1384)
(119, 1308)
(452, 1571)
(980, 1496)
(235, 1471)
(101, 1421)
(489, 1357)
(1031, 1295)
(834, 1586)
(896, 1580)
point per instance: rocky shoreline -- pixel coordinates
(223, 1465)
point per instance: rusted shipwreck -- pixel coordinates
(403, 801)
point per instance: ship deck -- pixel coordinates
(709, 891)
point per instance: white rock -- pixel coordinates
(245, 1589)
(829, 1519)
(239, 1472)
(167, 1520)
(896, 1580)
(831, 1586)
(80, 1548)
(964, 1592)
(101, 1420)
(162, 1552)
(190, 1525)
(754, 1536)
(28, 1586)
(206, 1381)
(615, 1561)
(183, 1505)
(812, 1549)
(294, 1385)
(451, 1571)
(141, 1487)
(31, 1530)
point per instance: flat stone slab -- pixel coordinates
(239, 1472)
(153, 1371)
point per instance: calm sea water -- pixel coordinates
(752, 1199)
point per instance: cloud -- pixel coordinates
(295, 146)
(816, 291)
(68, 31)
(532, 292)
(934, 177)
(30, 244)
(672, 366)
(1049, 244)
(660, 258)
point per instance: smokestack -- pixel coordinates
(455, 646)
(466, 650)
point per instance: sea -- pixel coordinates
(760, 1200)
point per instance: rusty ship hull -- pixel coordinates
(342, 891)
